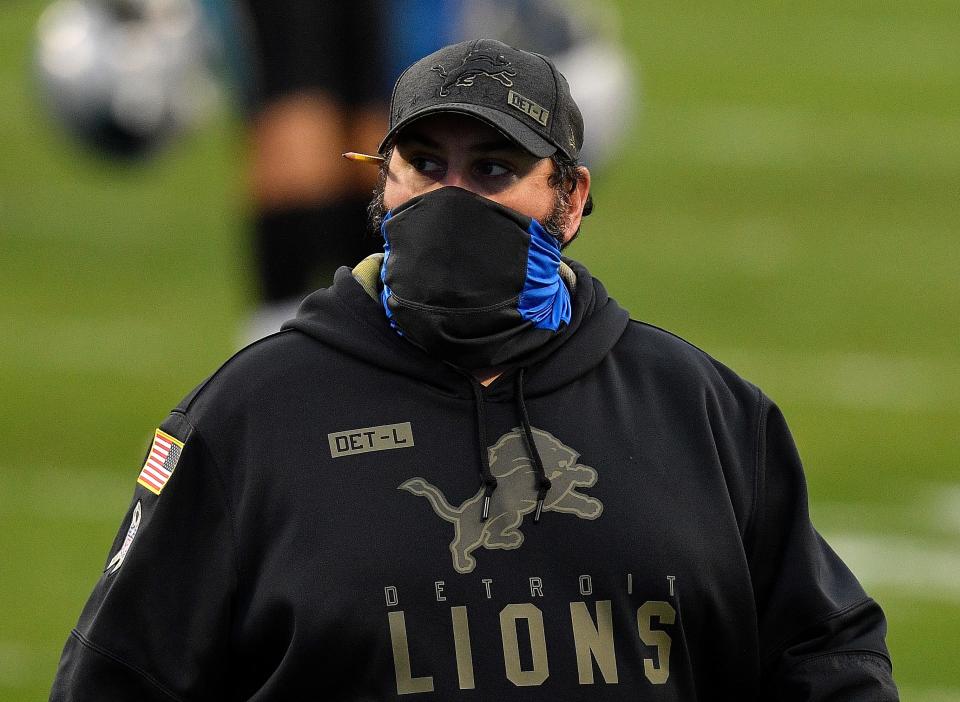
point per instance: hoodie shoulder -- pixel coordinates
(674, 363)
(698, 394)
(254, 374)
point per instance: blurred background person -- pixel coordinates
(320, 77)
(126, 77)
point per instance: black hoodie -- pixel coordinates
(319, 534)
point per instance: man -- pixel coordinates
(463, 473)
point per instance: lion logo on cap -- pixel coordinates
(477, 62)
(515, 496)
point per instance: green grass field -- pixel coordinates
(788, 200)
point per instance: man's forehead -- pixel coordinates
(449, 129)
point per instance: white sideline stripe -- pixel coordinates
(858, 380)
(935, 509)
(926, 569)
(944, 508)
(908, 565)
(122, 345)
(16, 663)
(930, 694)
(738, 134)
(60, 493)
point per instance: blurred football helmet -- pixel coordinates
(124, 76)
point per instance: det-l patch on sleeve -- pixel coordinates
(161, 462)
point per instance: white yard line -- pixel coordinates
(65, 493)
(123, 345)
(944, 508)
(737, 134)
(128, 346)
(935, 510)
(134, 347)
(898, 557)
(909, 565)
(930, 694)
(17, 664)
(858, 380)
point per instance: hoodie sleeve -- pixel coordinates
(157, 624)
(821, 636)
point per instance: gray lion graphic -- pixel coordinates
(515, 496)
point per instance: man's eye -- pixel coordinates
(426, 165)
(492, 169)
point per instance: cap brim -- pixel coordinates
(511, 127)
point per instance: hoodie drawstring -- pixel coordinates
(489, 480)
(543, 482)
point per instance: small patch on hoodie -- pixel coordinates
(114, 565)
(380, 438)
(161, 461)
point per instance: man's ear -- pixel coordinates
(578, 199)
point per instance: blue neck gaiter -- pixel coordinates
(470, 281)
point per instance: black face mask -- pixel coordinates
(470, 281)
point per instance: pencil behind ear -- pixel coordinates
(362, 158)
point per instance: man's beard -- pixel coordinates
(555, 223)
(376, 210)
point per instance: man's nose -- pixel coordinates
(455, 177)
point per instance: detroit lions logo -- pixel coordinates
(478, 62)
(515, 496)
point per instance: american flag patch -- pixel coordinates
(161, 461)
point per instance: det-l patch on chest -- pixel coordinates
(367, 439)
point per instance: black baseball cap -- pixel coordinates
(519, 93)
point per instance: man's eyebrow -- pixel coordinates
(495, 145)
(422, 139)
(418, 138)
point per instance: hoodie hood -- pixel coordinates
(348, 317)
